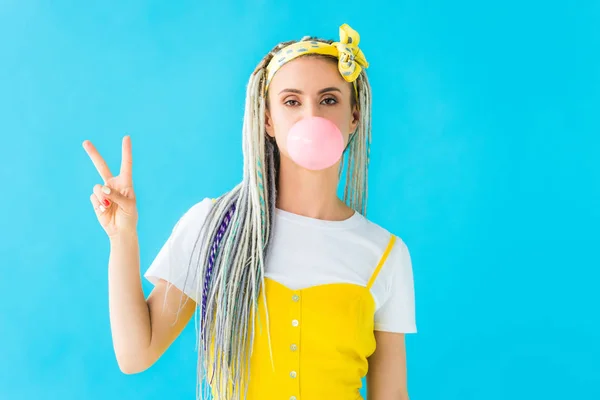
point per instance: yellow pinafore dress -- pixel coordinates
(321, 337)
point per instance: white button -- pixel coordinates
(293, 398)
(295, 322)
(295, 297)
(293, 347)
(293, 374)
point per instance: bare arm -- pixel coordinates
(141, 330)
(386, 379)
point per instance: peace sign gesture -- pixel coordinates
(114, 203)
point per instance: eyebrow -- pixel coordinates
(297, 91)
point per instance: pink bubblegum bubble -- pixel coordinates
(315, 143)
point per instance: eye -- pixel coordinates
(286, 103)
(330, 103)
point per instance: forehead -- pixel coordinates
(307, 73)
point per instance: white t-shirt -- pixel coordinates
(305, 252)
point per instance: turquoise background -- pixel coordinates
(486, 130)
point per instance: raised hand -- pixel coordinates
(114, 202)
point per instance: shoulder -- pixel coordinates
(195, 215)
(399, 258)
(391, 245)
(381, 237)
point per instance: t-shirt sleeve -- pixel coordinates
(397, 313)
(177, 261)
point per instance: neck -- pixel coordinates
(310, 193)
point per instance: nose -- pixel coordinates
(312, 109)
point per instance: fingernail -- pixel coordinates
(106, 203)
(106, 189)
(102, 209)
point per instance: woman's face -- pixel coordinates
(307, 87)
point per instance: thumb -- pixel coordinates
(116, 197)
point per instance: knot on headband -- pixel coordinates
(351, 58)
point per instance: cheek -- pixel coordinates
(281, 127)
(344, 121)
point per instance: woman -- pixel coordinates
(299, 296)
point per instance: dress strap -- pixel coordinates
(384, 257)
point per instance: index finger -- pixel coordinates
(126, 162)
(98, 161)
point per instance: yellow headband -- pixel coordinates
(351, 59)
